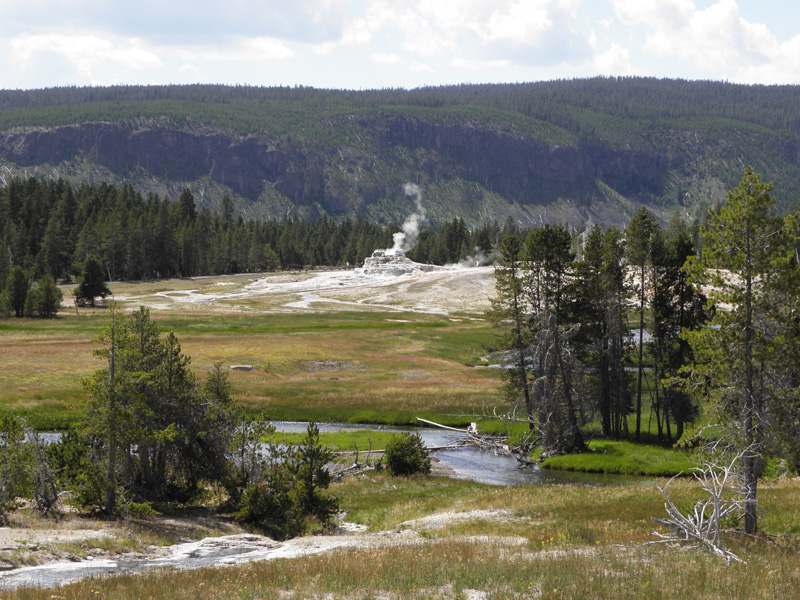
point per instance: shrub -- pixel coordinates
(79, 460)
(407, 455)
(43, 299)
(309, 467)
(16, 466)
(270, 505)
(287, 492)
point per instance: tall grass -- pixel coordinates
(559, 542)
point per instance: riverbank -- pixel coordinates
(619, 457)
(442, 538)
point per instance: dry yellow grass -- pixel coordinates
(396, 365)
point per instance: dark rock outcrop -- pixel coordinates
(492, 173)
(245, 165)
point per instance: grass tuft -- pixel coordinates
(625, 458)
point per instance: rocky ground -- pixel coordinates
(452, 291)
(68, 549)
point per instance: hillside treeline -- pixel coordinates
(570, 104)
(51, 228)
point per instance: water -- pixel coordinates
(469, 462)
(193, 555)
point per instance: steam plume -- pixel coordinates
(406, 239)
(478, 259)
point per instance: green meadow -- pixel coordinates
(340, 366)
(335, 365)
(425, 537)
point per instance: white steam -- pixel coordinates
(478, 259)
(406, 239)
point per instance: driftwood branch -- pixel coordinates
(488, 443)
(702, 526)
(357, 467)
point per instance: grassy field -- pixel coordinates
(366, 366)
(619, 457)
(342, 366)
(546, 541)
(336, 365)
(381, 366)
(343, 441)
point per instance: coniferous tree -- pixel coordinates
(616, 300)
(48, 297)
(747, 360)
(589, 309)
(43, 299)
(5, 266)
(92, 283)
(638, 248)
(510, 312)
(557, 387)
(163, 431)
(187, 210)
(16, 290)
(677, 306)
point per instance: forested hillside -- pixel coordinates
(576, 151)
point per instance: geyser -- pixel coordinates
(405, 240)
(393, 261)
(397, 263)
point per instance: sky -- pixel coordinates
(363, 44)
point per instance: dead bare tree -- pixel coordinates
(703, 527)
(45, 493)
(357, 467)
(556, 390)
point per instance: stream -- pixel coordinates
(468, 463)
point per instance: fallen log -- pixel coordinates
(447, 426)
(487, 443)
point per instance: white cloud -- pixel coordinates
(354, 42)
(517, 21)
(85, 52)
(191, 21)
(667, 14)
(524, 22)
(468, 29)
(248, 49)
(716, 41)
(479, 65)
(780, 68)
(387, 58)
(420, 67)
(614, 61)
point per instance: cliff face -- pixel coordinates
(243, 165)
(517, 167)
(466, 169)
(560, 151)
